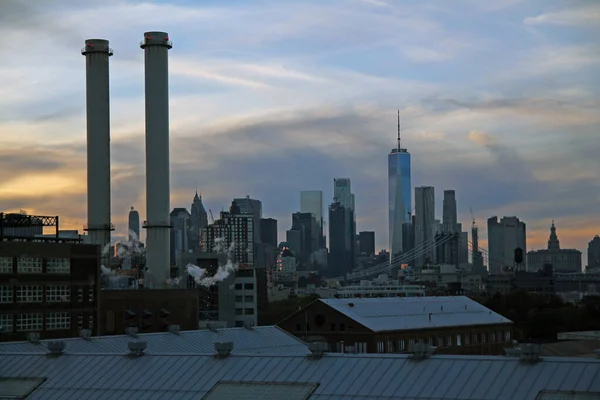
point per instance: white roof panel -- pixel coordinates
(333, 376)
(258, 340)
(409, 313)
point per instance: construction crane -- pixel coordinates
(212, 219)
(473, 224)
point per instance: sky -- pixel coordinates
(499, 101)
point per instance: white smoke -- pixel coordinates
(199, 274)
(126, 248)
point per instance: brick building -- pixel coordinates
(147, 310)
(454, 325)
(47, 288)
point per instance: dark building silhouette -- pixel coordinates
(268, 231)
(307, 225)
(199, 220)
(339, 252)
(366, 243)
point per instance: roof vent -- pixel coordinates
(173, 328)
(420, 351)
(211, 327)
(530, 352)
(223, 348)
(350, 304)
(131, 331)
(33, 337)
(137, 348)
(317, 349)
(85, 333)
(56, 348)
(249, 325)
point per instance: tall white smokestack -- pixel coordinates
(158, 226)
(97, 52)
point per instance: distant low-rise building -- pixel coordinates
(455, 325)
(562, 260)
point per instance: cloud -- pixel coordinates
(582, 16)
(271, 101)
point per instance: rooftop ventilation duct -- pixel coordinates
(223, 348)
(420, 351)
(173, 328)
(530, 352)
(317, 349)
(85, 333)
(248, 325)
(33, 337)
(526, 352)
(137, 348)
(56, 348)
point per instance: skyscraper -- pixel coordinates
(449, 217)
(254, 207)
(311, 201)
(504, 237)
(399, 186)
(198, 221)
(342, 194)
(425, 223)
(134, 225)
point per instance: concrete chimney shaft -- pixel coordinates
(158, 226)
(97, 52)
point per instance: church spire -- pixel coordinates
(553, 243)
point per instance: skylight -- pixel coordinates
(18, 388)
(260, 390)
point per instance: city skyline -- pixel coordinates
(318, 112)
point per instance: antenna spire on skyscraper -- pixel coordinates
(399, 146)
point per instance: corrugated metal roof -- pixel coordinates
(259, 340)
(339, 376)
(407, 313)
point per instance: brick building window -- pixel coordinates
(484, 337)
(30, 294)
(58, 320)
(239, 311)
(29, 322)
(249, 311)
(401, 345)
(58, 266)
(440, 341)
(58, 293)
(6, 323)
(29, 265)
(507, 336)
(6, 265)
(467, 340)
(91, 322)
(6, 294)
(493, 338)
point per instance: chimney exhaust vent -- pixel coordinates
(223, 348)
(137, 348)
(317, 349)
(56, 348)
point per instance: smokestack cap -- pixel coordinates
(96, 46)
(156, 38)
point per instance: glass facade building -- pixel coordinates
(400, 205)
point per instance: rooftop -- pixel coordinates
(408, 313)
(258, 340)
(294, 377)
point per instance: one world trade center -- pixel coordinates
(399, 194)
